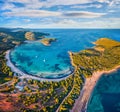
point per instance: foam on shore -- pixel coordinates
(90, 83)
(22, 75)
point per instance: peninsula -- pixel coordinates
(90, 65)
(47, 41)
(104, 58)
(72, 93)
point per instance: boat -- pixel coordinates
(44, 60)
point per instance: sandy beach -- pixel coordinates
(23, 75)
(81, 103)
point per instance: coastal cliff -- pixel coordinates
(29, 36)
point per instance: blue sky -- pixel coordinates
(60, 13)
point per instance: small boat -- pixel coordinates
(44, 60)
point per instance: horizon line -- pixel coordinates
(57, 28)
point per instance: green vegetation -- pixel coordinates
(10, 86)
(8, 40)
(49, 96)
(92, 60)
(74, 93)
(107, 43)
(5, 72)
(88, 61)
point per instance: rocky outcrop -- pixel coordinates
(47, 41)
(29, 36)
(16, 42)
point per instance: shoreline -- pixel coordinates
(23, 75)
(82, 101)
(71, 59)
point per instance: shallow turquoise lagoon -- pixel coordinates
(53, 61)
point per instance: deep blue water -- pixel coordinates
(53, 61)
(106, 95)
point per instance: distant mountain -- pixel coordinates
(19, 33)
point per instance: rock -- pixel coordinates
(16, 42)
(47, 41)
(29, 36)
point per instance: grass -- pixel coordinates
(107, 43)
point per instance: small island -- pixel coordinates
(30, 36)
(47, 41)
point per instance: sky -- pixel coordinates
(60, 13)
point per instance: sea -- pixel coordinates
(53, 62)
(106, 94)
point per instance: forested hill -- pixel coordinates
(19, 33)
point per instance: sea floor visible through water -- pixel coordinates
(53, 61)
(106, 94)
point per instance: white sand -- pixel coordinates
(23, 75)
(81, 103)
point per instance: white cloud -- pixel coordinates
(49, 3)
(32, 13)
(110, 2)
(66, 2)
(69, 23)
(7, 6)
(26, 20)
(111, 11)
(44, 13)
(103, 23)
(83, 14)
(28, 4)
(20, 1)
(66, 22)
(114, 3)
(104, 1)
(36, 4)
(87, 6)
(31, 9)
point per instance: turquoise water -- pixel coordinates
(106, 95)
(53, 61)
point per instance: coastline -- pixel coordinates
(23, 75)
(81, 103)
(71, 59)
